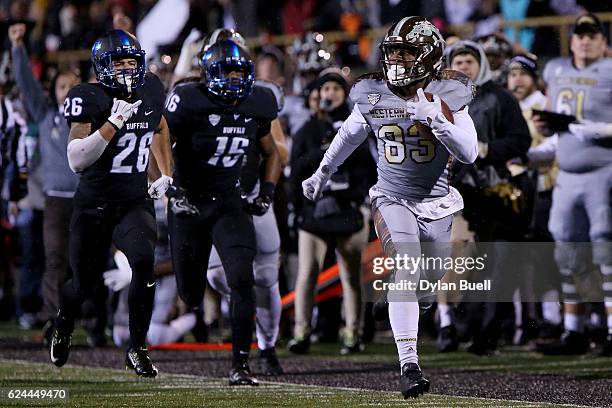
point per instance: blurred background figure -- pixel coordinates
(337, 220)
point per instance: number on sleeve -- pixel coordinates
(172, 102)
(73, 107)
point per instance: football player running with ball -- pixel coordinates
(113, 125)
(214, 123)
(412, 201)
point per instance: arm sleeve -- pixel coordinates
(33, 95)
(545, 151)
(458, 138)
(84, 152)
(351, 134)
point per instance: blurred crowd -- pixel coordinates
(505, 200)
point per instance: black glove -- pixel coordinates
(325, 207)
(262, 203)
(179, 204)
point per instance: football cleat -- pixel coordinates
(240, 374)
(137, 358)
(447, 339)
(571, 343)
(412, 382)
(268, 362)
(59, 349)
(299, 346)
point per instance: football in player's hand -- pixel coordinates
(423, 129)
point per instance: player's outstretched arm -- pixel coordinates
(351, 134)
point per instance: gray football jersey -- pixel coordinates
(587, 94)
(410, 166)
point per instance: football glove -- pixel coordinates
(179, 204)
(262, 203)
(117, 279)
(325, 207)
(122, 111)
(422, 110)
(158, 188)
(589, 130)
(313, 185)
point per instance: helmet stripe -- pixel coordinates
(399, 25)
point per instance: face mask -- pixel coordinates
(125, 80)
(396, 72)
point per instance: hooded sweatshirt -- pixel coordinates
(502, 131)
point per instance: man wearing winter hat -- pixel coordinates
(502, 135)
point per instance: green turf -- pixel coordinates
(513, 359)
(94, 387)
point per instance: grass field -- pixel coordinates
(307, 382)
(96, 387)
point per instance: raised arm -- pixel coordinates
(34, 97)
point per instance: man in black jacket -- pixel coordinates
(503, 134)
(336, 218)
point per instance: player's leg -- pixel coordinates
(162, 329)
(569, 227)
(599, 210)
(234, 238)
(398, 231)
(349, 261)
(190, 245)
(267, 294)
(89, 243)
(135, 235)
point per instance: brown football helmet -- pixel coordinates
(411, 51)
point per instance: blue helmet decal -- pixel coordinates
(227, 70)
(116, 45)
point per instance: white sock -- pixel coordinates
(404, 318)
(573, 322)
(444, 311)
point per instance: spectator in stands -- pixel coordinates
(335, 219)
(502, 135)
(523, 83)
(59, 182)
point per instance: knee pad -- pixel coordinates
(266, 269)
(239, 275)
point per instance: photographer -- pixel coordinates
(335, 219)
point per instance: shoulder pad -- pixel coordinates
(368, 84)
(86, 103)
(278, 92)
(453, 87)
(154, 90)
(261, 103)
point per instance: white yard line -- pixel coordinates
(279, 383)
